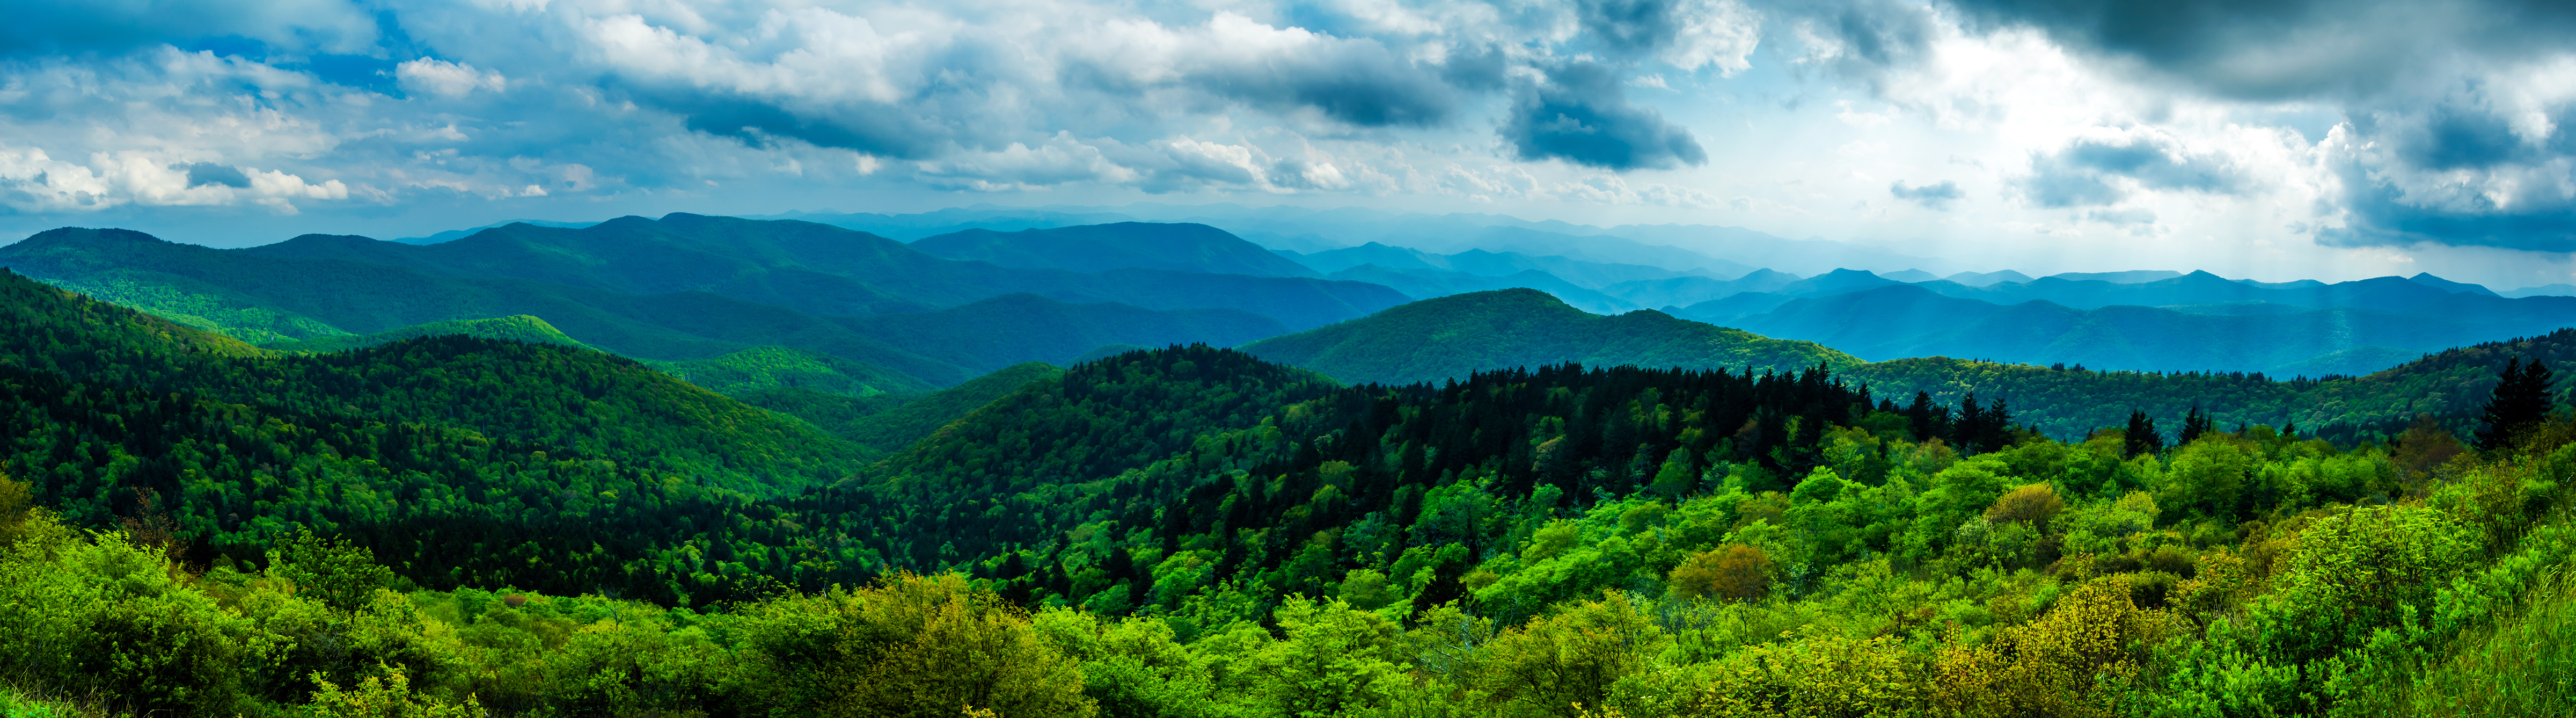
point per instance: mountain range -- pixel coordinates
(747, 306)
(688, 287)
(458, 515)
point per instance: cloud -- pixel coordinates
(1352, 80)
(1580, 114)
(2133, 217)
(1688, 34)
(440, 77)
(1932, 196)
(1863, 40)
(2281, 49)
(42, 27)
(2091, 170)
(2385, 199)
(206, 173)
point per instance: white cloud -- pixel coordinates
(440, 77)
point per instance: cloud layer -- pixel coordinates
(2377, 130)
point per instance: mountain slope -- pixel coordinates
(897, 428)
(458, 459)
(771, 367)
(994, 333)
(519, 328)
(1688, 291)
(362, 297)
(1428, 283)
(1450, 337)
(1125, 245)
(820, 269)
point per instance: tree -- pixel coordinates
(2141, 436)
(2194, 424)
(340, 575)
(2521, 399)
(1736, 572)
(1970, 429)
(909, 646)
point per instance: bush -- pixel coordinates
(2034, 504)
(909, 646)
(1735, 572)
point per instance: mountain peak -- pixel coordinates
(61, 236)
(2427, 279)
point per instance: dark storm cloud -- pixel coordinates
(2381, 216)
(2079, 174)
(1866, 38)
(2451, 136)
(1932, 196)
(888, 131)
(2270, 49)
(1629, 26)
(206, 173)
(1357, 82)
(1581, 114)
(79, 27)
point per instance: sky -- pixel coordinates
(2267, 139)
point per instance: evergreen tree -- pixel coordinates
(2521, 398)
(2194, 424)
(1969, 433)
(2142, 436)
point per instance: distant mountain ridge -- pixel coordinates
(684, 288)
(1184, 247)
(1451, 337)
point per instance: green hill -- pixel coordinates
(462, 459)
(775, 367)
(882, 424)
(1194, 531)
(520, 328)
(897, 428)
(1451, 337)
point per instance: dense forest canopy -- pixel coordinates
(451, 525)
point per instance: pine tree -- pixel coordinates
(1998, 430)
(2194, 424)
(1967, 432)
(2142, 436)
(2521, 399)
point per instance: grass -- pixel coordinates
(2525, 665)
(17, 703)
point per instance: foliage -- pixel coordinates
(519, 328)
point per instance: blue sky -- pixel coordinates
(2275, 140)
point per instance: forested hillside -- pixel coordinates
(1637, 516)
(1194, 532)
(1450, 337)
(521, 328)
(460, 460)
